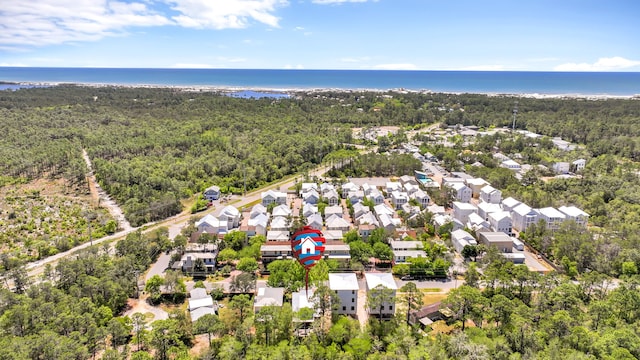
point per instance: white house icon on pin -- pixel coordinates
(308, 246)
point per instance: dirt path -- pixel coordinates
(152, 313)
(103, 198)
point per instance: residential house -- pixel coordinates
(388, 222)
(348, 188)
(376, 197)
(367, 218)
(256, 210)
(309, 209)
(337, 250)
(500, 222)
(462, 175)
(451, 180)
(385, 280)
(563, 144)
(277, 235)
(398, 199)
(332, 197)
(511, 165)
(561, 167)
(579, 165)
(392, 186)
(411, 211)
(231, 215)
(404, 250)
(552, 217)
(275, 250)
(485, 208)
(337, 223)
(356, 196)
(509, 204)
(573, 213)
(281, 210)
(365, 229)
(477, 222)
(279, 223)
(475, 185)
(345, 285)
(490, 194)
(368, 189)
(421, 197)
(315, 221)
(211, 225)
(333, 210)
(500, 240)
(304, 187)
(440, 220)
(523, 216)
(206, 252)
(360, 209)
(405, 245)
(407, 179)
(333, 235)
(462, 192)
(300, 300)
(259, 223)
(212, 193)
(462, 210)
(311, 196)
(268, 296)
(200, 304)
(325, 187)
(410, 189)
(273, 197)
(436, 209)
(461, 238)
(383, 209)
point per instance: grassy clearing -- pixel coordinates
(428, 299)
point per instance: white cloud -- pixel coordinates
(45, 22)
(395, 67)
(324, 2)
(603, 64)
(32, 23)
(225, 14)
(290, 67)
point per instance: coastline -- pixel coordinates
(312, 90)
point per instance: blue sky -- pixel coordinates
(537, 35)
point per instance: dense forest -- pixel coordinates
(154, 148)
(151, 148)
(74, 313)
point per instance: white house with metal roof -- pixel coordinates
(573, 213)
(386, 280)
(346, 286)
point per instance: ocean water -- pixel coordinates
(487, 82)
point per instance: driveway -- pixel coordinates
(158, 267)
(143, 307)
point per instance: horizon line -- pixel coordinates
(316, 69)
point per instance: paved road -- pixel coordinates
(158, 267)
(36, 268)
